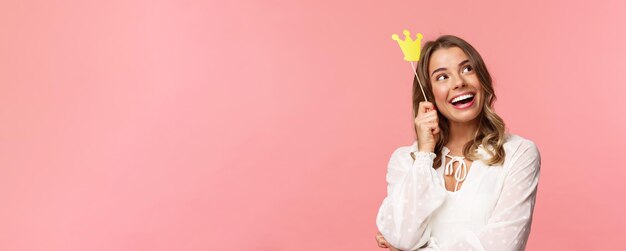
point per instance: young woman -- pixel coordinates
(464, 184)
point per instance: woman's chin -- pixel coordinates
(463, 116)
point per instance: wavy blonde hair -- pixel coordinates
(491, 128)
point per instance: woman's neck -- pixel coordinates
(460, 134)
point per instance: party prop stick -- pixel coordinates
(411, 49)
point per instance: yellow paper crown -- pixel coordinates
(411, 48)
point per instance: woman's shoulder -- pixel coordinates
(522, 151)
(515, 143)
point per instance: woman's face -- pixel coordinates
(455, 84)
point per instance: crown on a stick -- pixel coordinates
(411, 48)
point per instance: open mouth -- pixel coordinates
(462, 100)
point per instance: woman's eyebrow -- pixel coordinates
(443, 69)
(438, 69)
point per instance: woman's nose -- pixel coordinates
(458, 82)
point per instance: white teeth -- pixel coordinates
(462, 97)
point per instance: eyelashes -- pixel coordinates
(465, 69)
(468, 68)
(441, 77)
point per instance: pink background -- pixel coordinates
(267, 125)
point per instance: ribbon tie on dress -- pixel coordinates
(460, 172)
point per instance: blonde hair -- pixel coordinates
(491, 128)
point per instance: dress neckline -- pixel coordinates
(470, 170)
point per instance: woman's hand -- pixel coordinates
(427, 126)
(382, 243)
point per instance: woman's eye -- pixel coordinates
(441, 77)
(467, 68)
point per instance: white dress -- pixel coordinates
(491, 211)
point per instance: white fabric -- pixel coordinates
(461, 170)
(491, 211)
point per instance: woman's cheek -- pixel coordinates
(440, 97)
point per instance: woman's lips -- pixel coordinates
(464, 106)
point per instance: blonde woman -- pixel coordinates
(465, 183)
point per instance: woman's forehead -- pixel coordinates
(446, 58)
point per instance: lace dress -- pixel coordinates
(492, 211)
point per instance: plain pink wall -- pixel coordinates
(267, 125)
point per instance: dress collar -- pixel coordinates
(480, 150)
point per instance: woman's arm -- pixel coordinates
(414, 192)
(508, 227)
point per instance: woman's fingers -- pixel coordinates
(431, 122)
(383, 243)
(425, 106)
(436, 130)
(427, 117)
(428, 114)
(380, 240)
(427, 124)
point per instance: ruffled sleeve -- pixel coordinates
(414, 192)
(508, 227)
